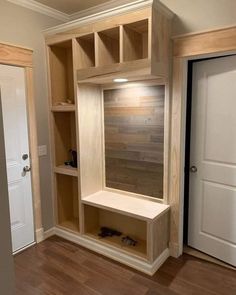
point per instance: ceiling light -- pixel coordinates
(120, 80)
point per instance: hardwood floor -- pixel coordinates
(58, 267)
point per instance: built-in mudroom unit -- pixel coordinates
(109, 117)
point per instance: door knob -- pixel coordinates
(26, 169)
(193, 169)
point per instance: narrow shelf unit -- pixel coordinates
(108, 47)
(85, 51)
(61, 73)
(64, 130)
(136, 40)
(67, 202)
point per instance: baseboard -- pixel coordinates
(39, 235)
(109, 252)
(49, 233)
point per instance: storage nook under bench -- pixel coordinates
(110, 140)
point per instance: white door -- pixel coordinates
(212, 203)
(13, 97)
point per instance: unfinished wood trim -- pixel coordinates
(15, 55)
(221, 40)
(33, 145)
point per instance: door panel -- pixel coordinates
(12, 83)
(212, 198)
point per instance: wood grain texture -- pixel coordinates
(107, 47)
(16, 56)
(63, 268)
(67, 201)
(33, 145)
(135, 40)
(110, 22)
(134, 137)
(215, 41)
(61, 73)
(176, 158)
(90, 142)
(64, 136)
(95, 218)
(85, 52)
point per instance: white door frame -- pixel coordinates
(14, 55)
(195, 46)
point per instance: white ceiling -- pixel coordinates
(71, 6)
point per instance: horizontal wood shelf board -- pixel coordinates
(114, 69)
(67, 170)
(63, 108)
(126, 205)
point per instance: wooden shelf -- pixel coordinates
(108, 47)
(66, 170)
(135, 41)
(63, 108)
(67, 201)
(71, 224)
(64, 128)
(140, 249)
(85, 50)
(124, 204)
(61, 72)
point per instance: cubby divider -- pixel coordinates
(64, 136)
(108, 47)
(135, 40)
(85, 57)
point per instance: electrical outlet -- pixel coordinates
(42, 150)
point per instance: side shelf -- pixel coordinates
(136, 40)
(64, 136)
(108, 47)
(67, 202)
(61, 73)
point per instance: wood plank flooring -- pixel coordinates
(58, 267)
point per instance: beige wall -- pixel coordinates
(198, 15)
(23, 27)
(6, 261)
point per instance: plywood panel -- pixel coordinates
(134, 139)
(90, 130)
(61, 73)
(67, 201)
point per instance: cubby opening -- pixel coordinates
(95, 218)
(67, 201)
(85, 52)
(135, 40)
(108, 47)
(61, 73)
(64, 138)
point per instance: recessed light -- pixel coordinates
(120, 80)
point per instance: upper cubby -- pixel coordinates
(61, 74)
(135, 40)
(85, 50)
(108, 47)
